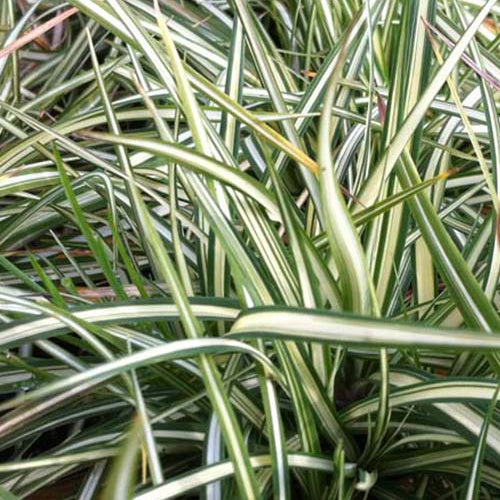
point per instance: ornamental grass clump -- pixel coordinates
(249, 249)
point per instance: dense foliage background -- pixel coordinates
(249, 249)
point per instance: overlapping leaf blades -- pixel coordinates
(195, 199)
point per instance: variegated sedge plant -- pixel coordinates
(249, 249)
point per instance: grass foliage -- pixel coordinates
(249, 249)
